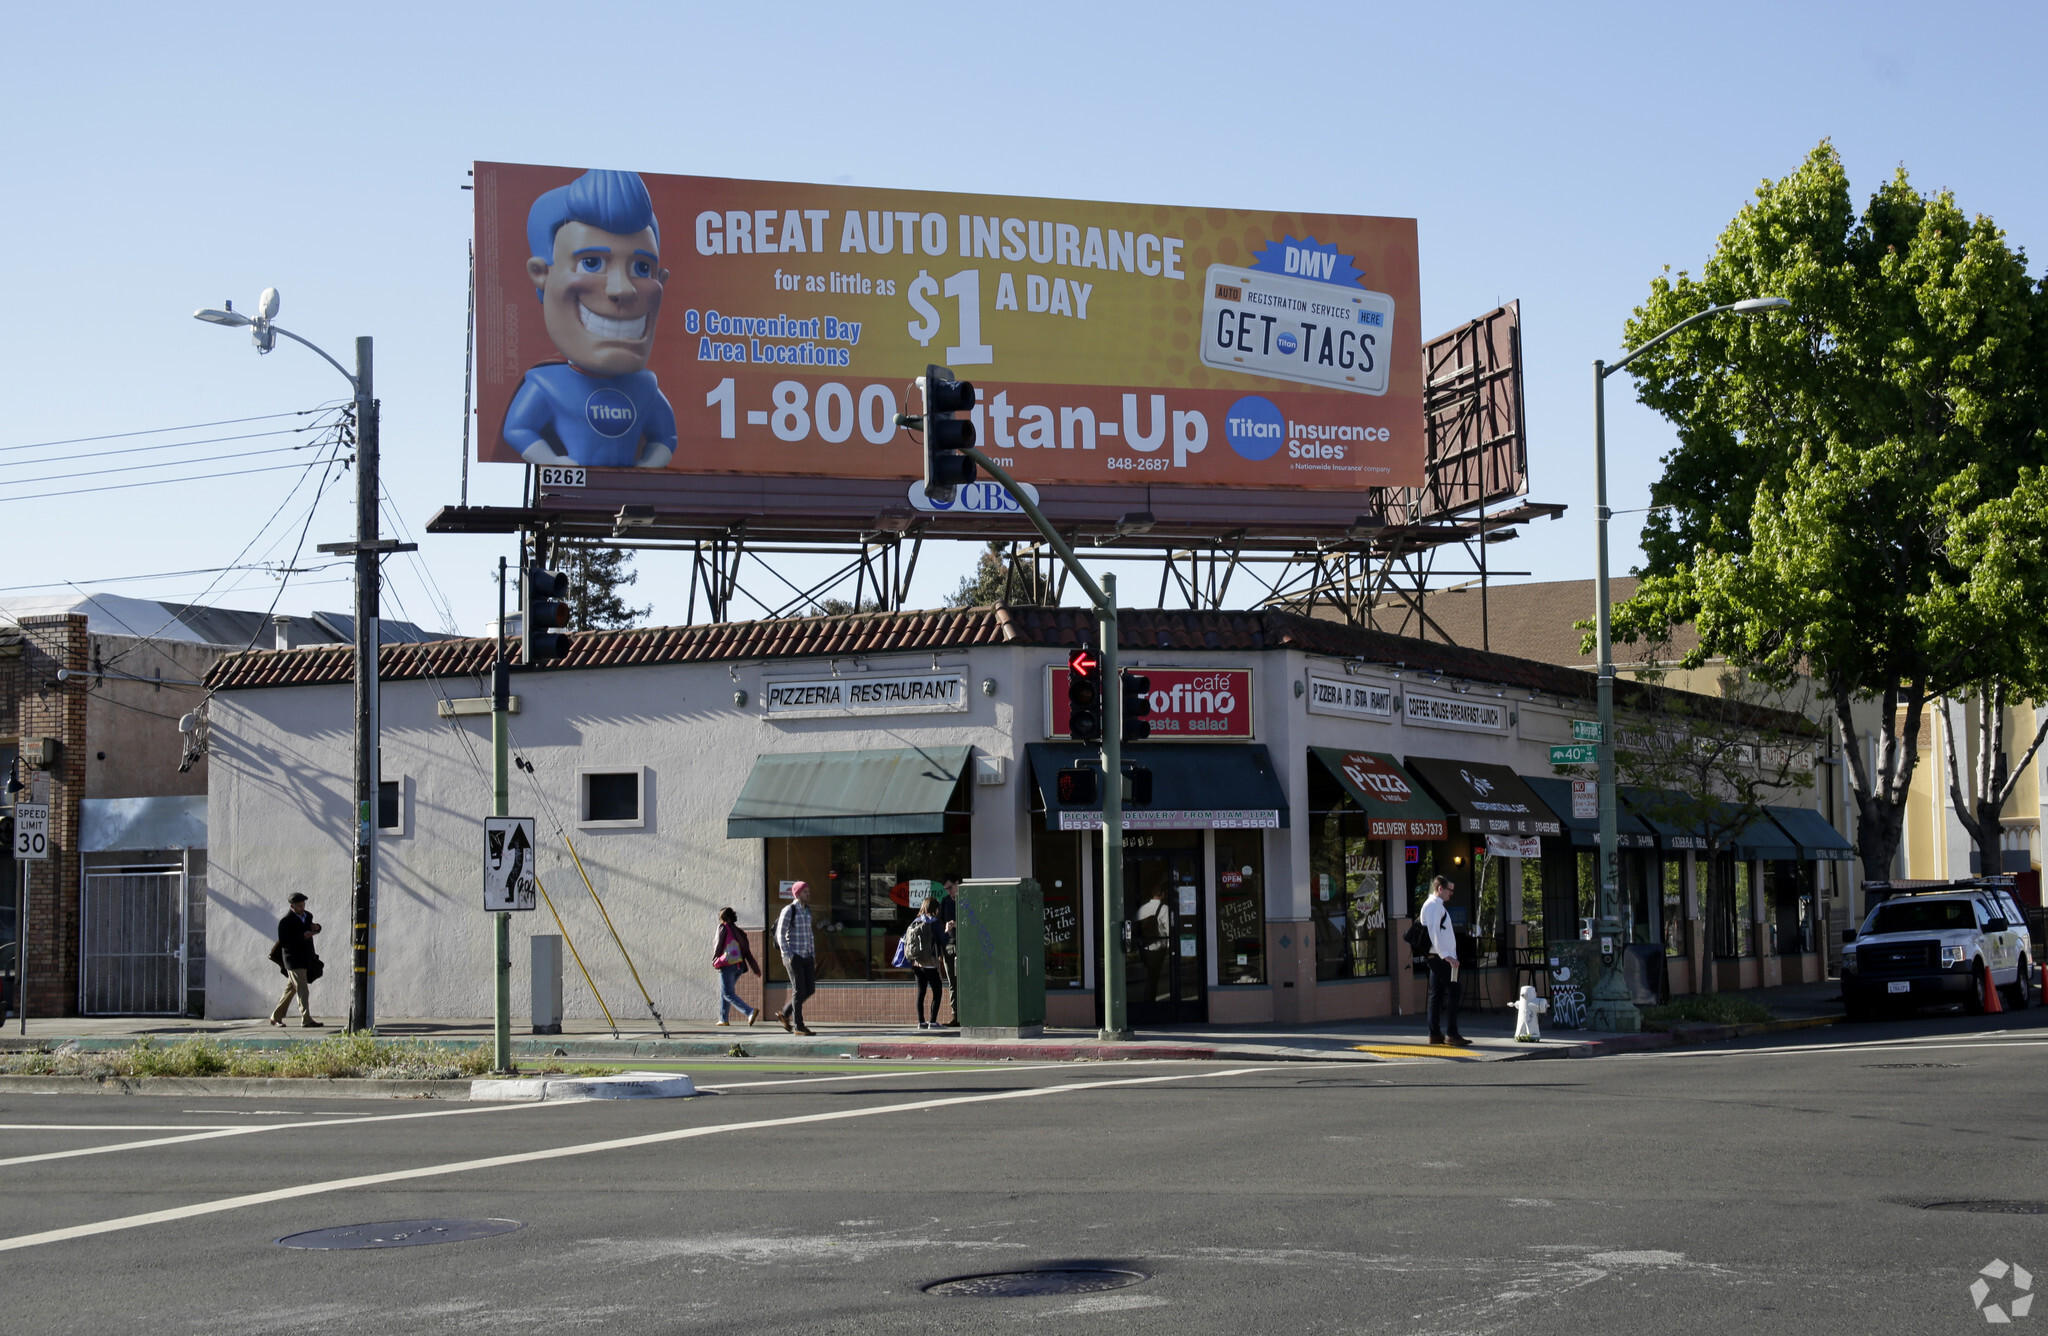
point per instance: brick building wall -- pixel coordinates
(46, 708)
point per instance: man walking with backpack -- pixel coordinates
(1445, 992)
(799, 947)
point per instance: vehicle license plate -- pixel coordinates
(1297, 329)
(1899, 986)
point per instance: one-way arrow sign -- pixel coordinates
(508, 863)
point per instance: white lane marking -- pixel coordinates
(564, 1152)
(1871, 1046)
(925, 1071)
(251, 1130)
(118, 1127)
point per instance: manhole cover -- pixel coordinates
(1910, 1066)
(1049, 1280)
(1992, 1207)
(400, 1234)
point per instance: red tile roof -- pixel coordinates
(945, 629)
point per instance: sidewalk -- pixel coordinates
(1378, 1039)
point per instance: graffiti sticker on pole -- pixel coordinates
(508, 863)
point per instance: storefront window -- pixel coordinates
(1056, 865)
(1478, 942)
(1791, 906)
(1492, 922)
(1532, 902)
(1241, 907)
(1732, 908)
(1674, 906)
(864, 891)
(1347, 883)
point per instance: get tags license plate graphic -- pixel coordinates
(1899, 986)
(1297, 329)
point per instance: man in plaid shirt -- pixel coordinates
(799, 949)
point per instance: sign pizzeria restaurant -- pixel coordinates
(832, 697)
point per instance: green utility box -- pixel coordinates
(1000, 932)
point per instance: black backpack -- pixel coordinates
(1417, 938)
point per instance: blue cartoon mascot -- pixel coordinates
(595, 262)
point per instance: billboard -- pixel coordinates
(703, 325)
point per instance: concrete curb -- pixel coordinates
(235, 1087)
(1683, 1033)
(1701, 1032)
(626, 1085)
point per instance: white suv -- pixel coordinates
(1932, 945)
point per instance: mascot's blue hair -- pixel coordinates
(615, 201)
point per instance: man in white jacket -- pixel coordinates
(1444, 988)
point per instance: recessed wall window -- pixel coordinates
(391, 806)
(614, 798)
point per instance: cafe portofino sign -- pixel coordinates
(839, 697)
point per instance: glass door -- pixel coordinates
(1165, 930)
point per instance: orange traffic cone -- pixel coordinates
(1992, 1005)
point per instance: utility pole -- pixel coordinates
(501, 805)
(369, 581)
(368, 549)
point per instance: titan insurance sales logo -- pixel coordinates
(1255, 427)
(2019, 1299)
(609, 412)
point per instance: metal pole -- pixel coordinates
(1115, 1022)
(1611, 1007)
(21, 951)
(501, 801)
(363, 902)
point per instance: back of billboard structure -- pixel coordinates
(702, 325)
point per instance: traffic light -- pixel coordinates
(1137, 703)
(1077, 787)
(1138, 784)
(1084, 696)
(945, 435)
(540, 612)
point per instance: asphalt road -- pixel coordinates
(1772, 1186)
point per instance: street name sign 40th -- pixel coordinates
(688, 324)
(508, 863)
(31, 831)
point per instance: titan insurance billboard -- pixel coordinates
(704, 325)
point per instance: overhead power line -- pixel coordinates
(169, 445)
(158, 431)
(159, 482)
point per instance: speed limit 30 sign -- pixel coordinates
(32, 831)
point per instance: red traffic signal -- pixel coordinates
(1076, 787)
(1084, 696)
(1137, 705)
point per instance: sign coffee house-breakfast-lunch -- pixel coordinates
(1308, 780)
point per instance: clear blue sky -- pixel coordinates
(163, 158)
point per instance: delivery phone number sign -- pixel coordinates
(703, 325)
(1188, 704)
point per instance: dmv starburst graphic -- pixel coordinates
(2019, 1305)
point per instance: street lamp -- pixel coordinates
(366, 549)
(1611, 1007)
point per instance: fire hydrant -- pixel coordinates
(1527, 1009)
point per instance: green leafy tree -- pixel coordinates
(1002, 575)
(597, 576)
(1829, 461)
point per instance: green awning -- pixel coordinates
(893, 791)
(1817, 839)
(1395, 806)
